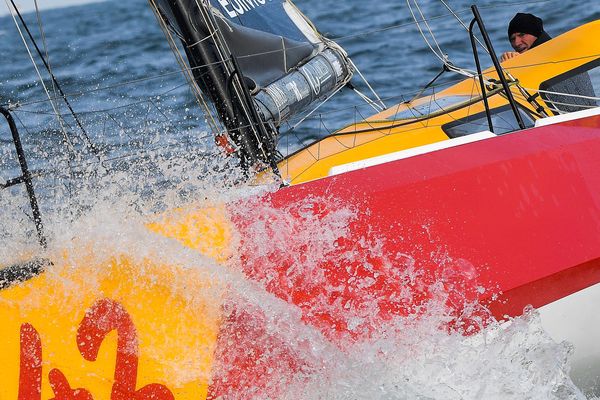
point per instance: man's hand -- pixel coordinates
(508, 55)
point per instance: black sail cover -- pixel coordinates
(286, 63)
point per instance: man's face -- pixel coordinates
(521, 42)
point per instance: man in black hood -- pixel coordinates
(525, 32)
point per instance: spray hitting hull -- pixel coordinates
(474, 232)
(501, 223)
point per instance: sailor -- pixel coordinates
(525, 31)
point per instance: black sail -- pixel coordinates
(284, 63)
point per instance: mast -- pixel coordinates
(268, 46)
(214, 71)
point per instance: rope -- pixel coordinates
(442, 57)
(369, 101)
(569, 104)
(463, 24)
(429, 28)
(567, 94)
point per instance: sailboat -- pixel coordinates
(472, 204)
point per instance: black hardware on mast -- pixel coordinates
(212, 67)
(488, 44)
(266, 138)
(25, 177)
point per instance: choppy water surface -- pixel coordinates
(157, 153)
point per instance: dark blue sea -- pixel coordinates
(122, 80)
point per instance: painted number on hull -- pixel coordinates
(103, 317)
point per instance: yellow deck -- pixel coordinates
(387, 135)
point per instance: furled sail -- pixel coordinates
(284, 63)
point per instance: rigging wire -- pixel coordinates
(441, 16)
(126, 83)
(142, 155)
(563, 98)
(187, 72)
(395, 98)
(184, 69)
(368, 100)
(550, 105)
(115, 86)
(307, 116)
(69, 185)
(106, 110)
(106, 159)
(389, 98)
(339, 38)
(561, 103)
(43, 35)
(441, 56)
(427, 26)
(85, 135)
(290, 131)
(512, 78)
(579, 96)
(463, 24)
(60, 120)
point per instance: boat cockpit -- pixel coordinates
(559, 77)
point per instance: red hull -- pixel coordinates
(504, 222)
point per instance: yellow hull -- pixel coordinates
(87, 321)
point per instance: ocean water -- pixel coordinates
(113, 60)
(157, 153)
